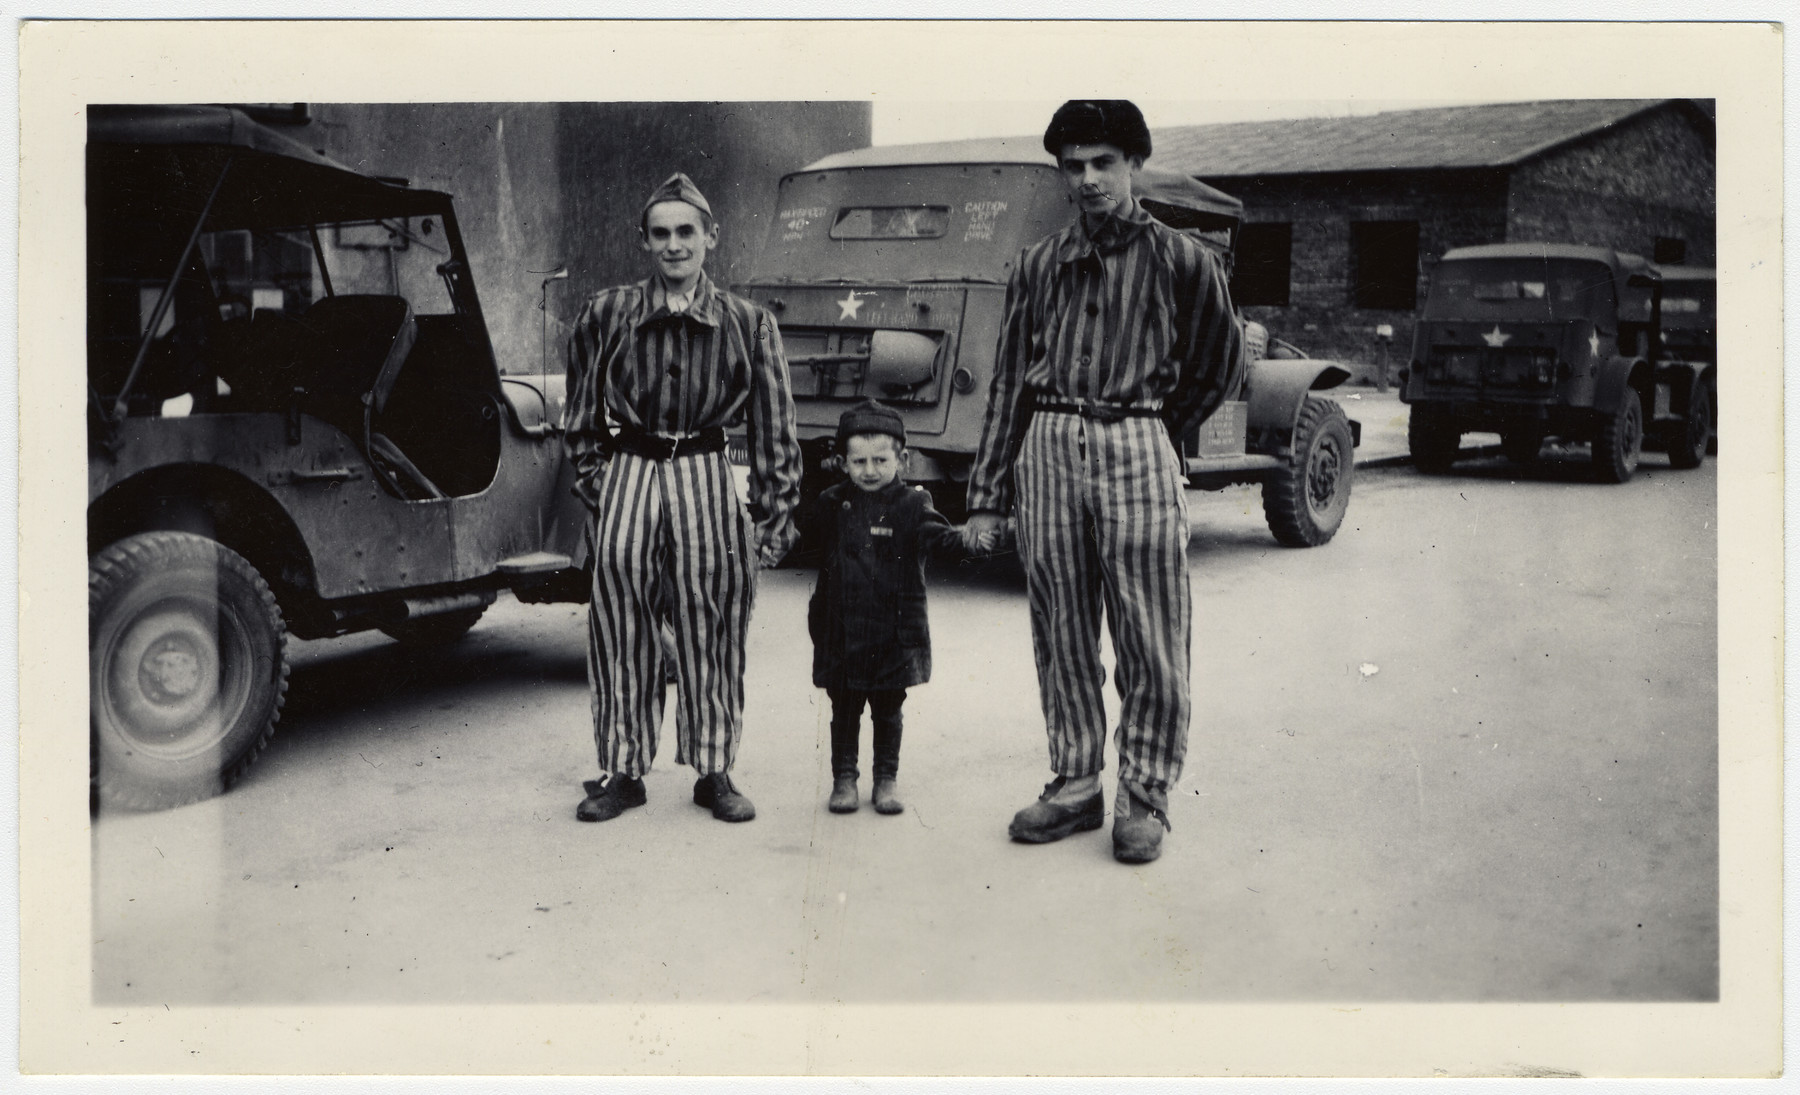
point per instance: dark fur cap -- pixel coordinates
(1117, 122)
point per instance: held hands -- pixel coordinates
(981, 533)
(773, 543)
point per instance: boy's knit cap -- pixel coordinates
(870, 417)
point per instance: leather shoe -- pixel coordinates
(1044, 821)
(726, 801)
(886, 802)
(608, 798)
(1138, 829)
(843, 795)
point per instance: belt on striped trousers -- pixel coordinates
(1104, 412)
(656, 447)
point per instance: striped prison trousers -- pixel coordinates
(672, 541)
(1102, 519)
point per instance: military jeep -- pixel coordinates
(887, 270)
(1541, 340)
(296, 426)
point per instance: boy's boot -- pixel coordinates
(843, 795)
(884, 798)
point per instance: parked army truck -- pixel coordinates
(1540, 340)
(296, 426)
(887, 270)
(1690, 321)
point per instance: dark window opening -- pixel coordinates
(1670, 250)
(1264, 264)
(1384, 264)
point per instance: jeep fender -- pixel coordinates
(216, 502)
(1278, 389)
(1616, 374)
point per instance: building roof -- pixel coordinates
(1486, 135)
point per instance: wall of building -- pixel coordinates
(540, 186)
(616, 153)
(1653, 177)
(1452, 209)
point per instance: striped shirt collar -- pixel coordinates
(702, 306)
(1117, 231)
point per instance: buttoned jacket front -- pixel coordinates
(711, 366)
(1136, 314)
(867, 616)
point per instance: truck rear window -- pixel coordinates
(1520, 289)
(891, 222)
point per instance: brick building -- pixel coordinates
(1345, 216)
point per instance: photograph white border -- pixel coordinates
(64, 66)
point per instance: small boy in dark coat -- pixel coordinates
(867, 615)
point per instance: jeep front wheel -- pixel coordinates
(187, 668)
(1432, 437)
(1305, 502)
(1620, 440)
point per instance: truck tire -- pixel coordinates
(1521, 444)
(1688, 446)
(187, 668)
(439, 630)
(1619, 440)
(1433, 438)
(1305, 502)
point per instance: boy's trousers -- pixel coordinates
(846, 729)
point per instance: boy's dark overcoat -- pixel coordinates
(867, 614)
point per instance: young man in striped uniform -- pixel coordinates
(674, 360)
(1118, 338)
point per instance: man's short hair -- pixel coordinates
(1117, 122)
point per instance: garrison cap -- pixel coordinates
(870, 417)
(676, 188)
(1115, 122)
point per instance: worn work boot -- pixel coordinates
(886, 802)
(1138, 828)
(1045, 820)
(608, 798)
(843, 795)
(726, 801)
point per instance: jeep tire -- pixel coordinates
(1619, 440)
(1433, 438)
(187, 668)
(1305, 502)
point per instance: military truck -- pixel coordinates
(1690, 321)
(1541, 340)
(887, 270)
(296, 427)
